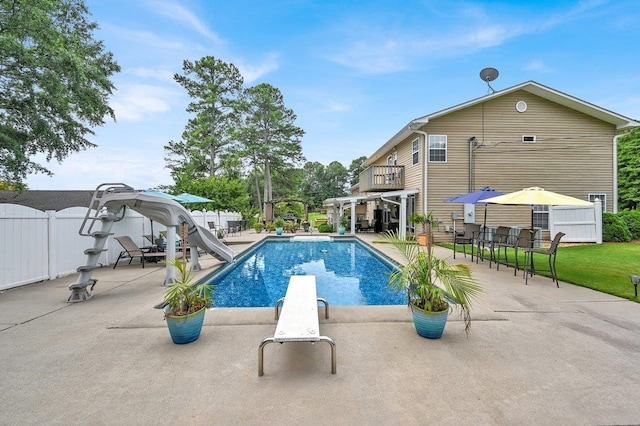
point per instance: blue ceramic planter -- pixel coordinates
(279, 231)
(187, 328)
(429, 324)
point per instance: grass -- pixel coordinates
(602, 267)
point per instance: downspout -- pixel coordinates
(615, 174)
(425, 177)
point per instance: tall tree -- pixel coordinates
(356, 167)
(336, 179)
(214, 86)
(269, 135)
(629, 171)
(54, 83)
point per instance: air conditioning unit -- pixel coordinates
(529, 138)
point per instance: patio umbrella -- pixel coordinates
(476, 197)
(536, 196)
(190, 198)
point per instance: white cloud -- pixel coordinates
(136, 102)
(252, 72)
(538, 66)
(180, 14)
(156, 74)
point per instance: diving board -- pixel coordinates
(298, 319)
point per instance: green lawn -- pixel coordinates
(602, 267)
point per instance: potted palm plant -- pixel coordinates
(433, 286)
(344, 223)
(279, 224)
(421, 219)
(186, 304)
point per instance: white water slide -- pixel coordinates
(110, 199)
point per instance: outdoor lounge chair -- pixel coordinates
(132, 251)
(471, 232)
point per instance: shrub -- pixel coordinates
(632, 219)
(614, 229)
(271, 227)
(325, 227)
(259, 226)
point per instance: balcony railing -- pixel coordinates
(382, 178)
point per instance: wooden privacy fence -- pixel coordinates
(40, 246)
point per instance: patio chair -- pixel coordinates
(551, 252)
(524, 241)
(471, 232)
(494, 242)
(132, 251)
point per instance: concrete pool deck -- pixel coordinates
(536, 354)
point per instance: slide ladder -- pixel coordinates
(79, 291)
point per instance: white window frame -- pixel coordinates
(434, 141)
(603, 199)
(415, 151)
(541, 214)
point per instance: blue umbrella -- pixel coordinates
(476, 197)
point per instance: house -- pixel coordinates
(523, 136)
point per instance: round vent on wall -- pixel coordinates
(521, 106)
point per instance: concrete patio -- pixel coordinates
(536, 354)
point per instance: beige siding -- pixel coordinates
(572, 155)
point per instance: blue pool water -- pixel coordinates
(347, 273)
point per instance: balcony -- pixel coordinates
(382, 178)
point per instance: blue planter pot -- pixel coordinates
(186, 329)
(279, 231)
(341, 231)
(429, 324)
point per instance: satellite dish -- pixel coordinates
(488, 75)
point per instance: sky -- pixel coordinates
(354, 72)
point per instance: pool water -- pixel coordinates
(347, 273)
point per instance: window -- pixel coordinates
(415, 150)
(601, 197)
(541, 217)
(437, 148)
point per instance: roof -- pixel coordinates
(622, 123)
(47, 200)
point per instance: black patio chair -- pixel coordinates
(471, 232)
(551, 252)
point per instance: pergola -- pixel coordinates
(338, 205)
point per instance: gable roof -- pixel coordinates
(47, 200)
(622, 123)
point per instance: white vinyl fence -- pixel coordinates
(40, 246)
(580, 224)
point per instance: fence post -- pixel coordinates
(52, 256)
(598, 218)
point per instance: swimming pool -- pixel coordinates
(347, 273)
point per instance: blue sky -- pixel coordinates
(354, 72)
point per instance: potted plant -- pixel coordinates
(433, 286)
(306, 225)
(279, 224)
(186, 304)
(423, 220)
(258, 227)
(344, 223)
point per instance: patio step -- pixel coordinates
(94, 250)
(87, 268)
